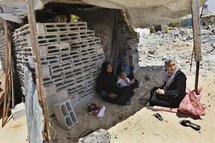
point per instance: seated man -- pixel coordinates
(173, 90)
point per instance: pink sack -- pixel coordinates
(191, 104)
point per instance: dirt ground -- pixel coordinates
(134, 123)
(143, 127)
(140, 127)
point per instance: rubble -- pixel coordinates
(181, 39)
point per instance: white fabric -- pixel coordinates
(123, 82)
(33, 110)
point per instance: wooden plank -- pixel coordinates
(196, 31)
(7, 92)
(38, 67)
(196, 39)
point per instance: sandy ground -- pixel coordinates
(143, 127)
(14, 131)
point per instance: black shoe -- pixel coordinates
(187, 123)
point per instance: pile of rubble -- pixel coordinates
(177, 43)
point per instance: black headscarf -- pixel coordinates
(105, 66)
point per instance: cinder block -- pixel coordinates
(47, 39)
(47, 81)
(75, 54)
(80, 25)
(67, 67)
(77, 72)
(57, 79)
(45, 71)
(43, 51)
(72, 90)
(50, 90)
(85, 60)
(74, 98)
(64, 47)
(64, 38)
(79, 79)
(40, 28)
(84, 52)
(65, 57)
(83, 35)
(67, 75)
(94, 41)
(70, 82)
(56, 69)
(93, 58)
(52, 59)
(77, 64)
(91, 50)
(55, 98)
(53, 49)
(90, 34)
(74, 46)
(89, 83)
(65, 114)
(86, 96)
(60, 86)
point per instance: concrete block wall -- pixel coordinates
(131, 50)
(71, 58)
(130, 46)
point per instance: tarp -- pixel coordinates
(139, 13)
(15, 10)
(142, 13)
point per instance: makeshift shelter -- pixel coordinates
(53, 46)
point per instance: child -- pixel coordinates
(123, 80)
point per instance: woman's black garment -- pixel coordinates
(173, 94)
(107, 83)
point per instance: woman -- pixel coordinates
(125, 67)
(173, 89)
(107, 88)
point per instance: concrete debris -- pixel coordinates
(99, 136)
(180, 40)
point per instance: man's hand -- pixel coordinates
(160, 91)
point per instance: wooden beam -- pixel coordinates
(38, 67)
(196, 31)
(7, 58)
(196, 39)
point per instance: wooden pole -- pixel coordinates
(196, 38)
(38, 67)
(7, 92)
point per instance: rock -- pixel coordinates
(99, 136)
(213, 45)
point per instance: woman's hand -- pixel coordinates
(160, 91)
(112, 95)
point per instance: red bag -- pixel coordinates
(191, 104)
